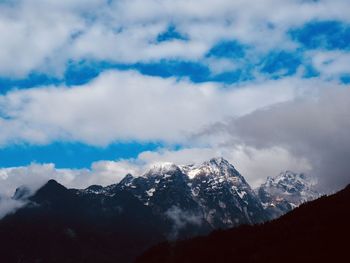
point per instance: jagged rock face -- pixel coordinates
(165, 189)
(162, 187)
(286, 191)
(224, 195)
(214, 192)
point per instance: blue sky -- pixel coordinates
(107, 81)
(74, 155)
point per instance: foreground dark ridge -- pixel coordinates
(317, 231)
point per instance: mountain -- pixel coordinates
(226, 198)
(168, 202)
(286, 191)
(211, 195)
(317, 231)
(165, 189)
(60, 225)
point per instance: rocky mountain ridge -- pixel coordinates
(214, 192)
(286, 191)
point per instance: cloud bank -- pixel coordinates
(125, 105)
(313, 128)
(44, 35)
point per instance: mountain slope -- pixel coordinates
(223, 193)
(58, 225)
(165, 190)
(317, 231)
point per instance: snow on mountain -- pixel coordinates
(282, 193)
(213, 190)
(161, 168)
(225, 197)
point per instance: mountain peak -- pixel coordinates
(162, 168)
(51, 190)
(126, 181)
(218, 161)
(287, 190)
(214, 167)
(288, 180)
(52, 182)
(52, 185)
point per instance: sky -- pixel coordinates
(92, 90)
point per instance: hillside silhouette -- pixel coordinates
(317, 231)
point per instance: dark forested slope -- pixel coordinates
(318, 231)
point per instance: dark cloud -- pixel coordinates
(317, 129)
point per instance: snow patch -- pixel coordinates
(150, 191)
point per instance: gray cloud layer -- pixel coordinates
(314, 128)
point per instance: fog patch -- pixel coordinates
(9, 205)
(181, 219)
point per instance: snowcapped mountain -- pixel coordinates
(223, 194)
(166, 190)
(213, 192)
(195, 199)
(282, 193)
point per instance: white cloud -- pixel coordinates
(331, 63)
(126, 105)
(44, 35)
(8, 205)
(34, 36)
(221, 65)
